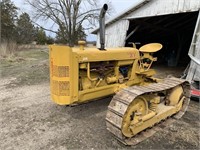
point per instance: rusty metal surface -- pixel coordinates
(120, 103)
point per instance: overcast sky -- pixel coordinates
(119, 6)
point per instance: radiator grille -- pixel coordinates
(60, 71)
(60, 88)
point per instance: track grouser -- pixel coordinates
(141, 104)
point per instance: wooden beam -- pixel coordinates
(184, 22)
(156, 27)
(132, 32)
(176, 20)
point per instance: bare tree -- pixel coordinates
(68, 15)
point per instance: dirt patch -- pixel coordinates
(30, 120)
(164, 71)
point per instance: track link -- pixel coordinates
(121, 101)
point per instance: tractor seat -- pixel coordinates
(151, 48)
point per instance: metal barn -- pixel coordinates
(174, 23)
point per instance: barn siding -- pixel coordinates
(194, 70)
(163, 7)
(115, 34)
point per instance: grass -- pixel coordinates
(8, 48)
(28, 67)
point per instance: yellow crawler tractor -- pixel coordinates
(141, 105)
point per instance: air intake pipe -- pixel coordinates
(102, 26)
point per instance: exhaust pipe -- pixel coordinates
(102, 26)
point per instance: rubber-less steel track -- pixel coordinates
(121, 101)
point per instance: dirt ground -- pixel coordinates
(30, 120)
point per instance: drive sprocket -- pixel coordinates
(146, 109)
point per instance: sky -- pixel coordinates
(119, 6)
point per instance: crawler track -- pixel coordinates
(120, 102)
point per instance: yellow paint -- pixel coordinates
(139, 115)
(151, 48)
(63, 78)
(137, 109)
(76, 76)
(175, 95)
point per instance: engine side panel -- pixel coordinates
(79, 75)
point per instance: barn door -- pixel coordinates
(194, 53)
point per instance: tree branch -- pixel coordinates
(68, 15)
(43, 27)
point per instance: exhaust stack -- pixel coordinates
(102, 26)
